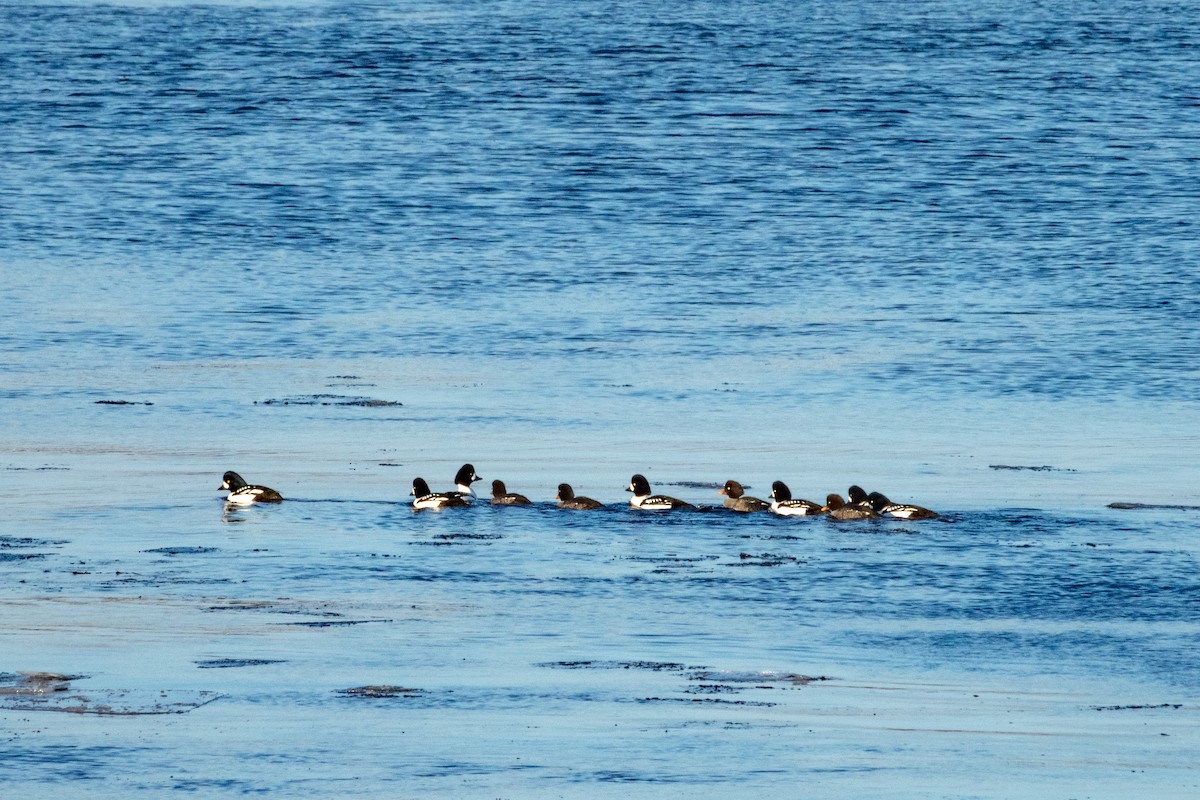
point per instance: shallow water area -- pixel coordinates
(541, 652)
(939, 250)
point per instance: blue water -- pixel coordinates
(894, 244)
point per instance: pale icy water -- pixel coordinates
(335, 246)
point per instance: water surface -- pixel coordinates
(335, 246)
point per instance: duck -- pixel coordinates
(652, 502)
(243, 494)
(838, 509)
(423, 498)
(857, 496)
(566, 499)
(902, 510)
(502, 497)
(463, 480)
(736, 499)
(783, 504)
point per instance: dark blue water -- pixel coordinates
(335, 246)
(1001, 193)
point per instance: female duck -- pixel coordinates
(736, 499)
(566, 499)
(502, 497)
(838, 509)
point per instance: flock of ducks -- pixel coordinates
(857, 504)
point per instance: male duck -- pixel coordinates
(783, 504)
(651, 502)
(423, 498)
(243, 494)
(902, 510)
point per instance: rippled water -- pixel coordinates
(338, 245)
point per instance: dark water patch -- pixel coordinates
(1044, 468)
(681, 567)
(275, 607)
(382, 691)
(631, 776)
(182, 550)
(672, 560)
(765, 680)
(64, 763)
(164, 580)
(763, 560)
(713, 688)
(710, 682)
(329, 400)
(651, 666)
(1151, 506)
(225, 786)
(450, 769)
(1090, 650)
(111, 702)
(304, 612)
(486, 537)
(37, 469)
(231, 663)
(20, 556)
(339, 623)
(123, 403)
(244, 605)
(700, 485)
(1160, 706)
(713, 701)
